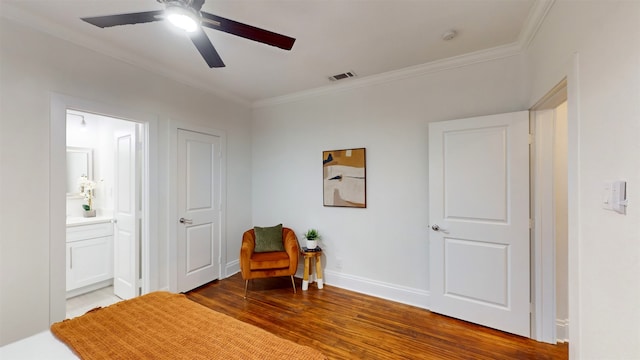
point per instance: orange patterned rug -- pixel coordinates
(163, 325)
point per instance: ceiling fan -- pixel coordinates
(186, 15)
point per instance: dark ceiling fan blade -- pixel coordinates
(125, 19)
(206, 49)
(247, 31)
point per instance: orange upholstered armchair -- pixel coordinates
(271, 260)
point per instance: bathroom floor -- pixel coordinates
(80, 304)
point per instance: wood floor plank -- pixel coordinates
(349, 325)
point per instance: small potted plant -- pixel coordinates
(87, 189)
(312, 237)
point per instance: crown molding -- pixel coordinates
(395, 75)
(536, 17)
(54, 29)
(532, 24)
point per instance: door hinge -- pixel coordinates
(531, 138)
(530, 223)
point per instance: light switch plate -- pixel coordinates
(615, 195)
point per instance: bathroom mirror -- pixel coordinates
(79, 162)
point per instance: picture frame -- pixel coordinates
(344, 175)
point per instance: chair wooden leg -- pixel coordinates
(294, 284)
(246, 286)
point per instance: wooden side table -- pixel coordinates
(308, 255)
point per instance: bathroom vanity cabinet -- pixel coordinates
(89, 255)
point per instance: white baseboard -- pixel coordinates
(231, 268)
(562, 330)
(393, 292)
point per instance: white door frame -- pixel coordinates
(543, 254)
(573, 200)
(573, 203)
(57, 198)
(172, 224)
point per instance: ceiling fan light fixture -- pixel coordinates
(183, 18)
(187, 15)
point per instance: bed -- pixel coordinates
(42, 346)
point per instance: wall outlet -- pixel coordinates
(338, 265)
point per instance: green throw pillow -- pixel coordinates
(269, 239)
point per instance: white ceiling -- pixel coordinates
(368, 37)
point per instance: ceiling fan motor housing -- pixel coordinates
(194, 5)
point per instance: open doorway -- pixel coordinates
(148, 215)
(104, 212)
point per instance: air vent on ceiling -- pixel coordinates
(342, 76)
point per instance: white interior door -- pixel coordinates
(199, 210)
(479, 211)
(126, 230)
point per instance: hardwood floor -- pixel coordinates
(348, 325)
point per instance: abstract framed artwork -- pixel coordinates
(345, 178)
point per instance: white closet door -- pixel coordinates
(199, 209)
(479, 211)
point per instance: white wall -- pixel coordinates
(383, 249)
(32, 65)
(604, 145)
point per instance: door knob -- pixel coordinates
(186, 221)
(435, 227)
